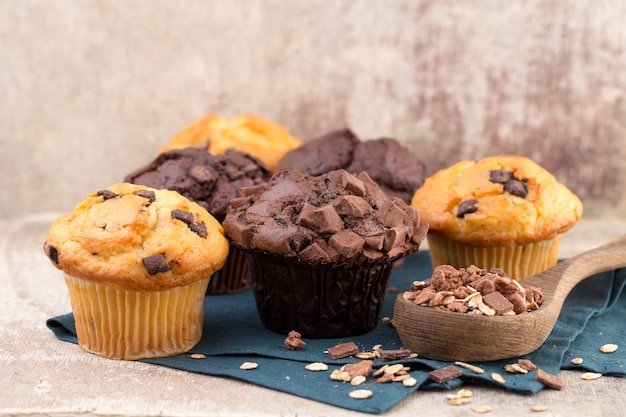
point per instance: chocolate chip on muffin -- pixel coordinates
(150, 195)
(106, 194)
(156, 264)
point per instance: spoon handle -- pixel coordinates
(565, 275)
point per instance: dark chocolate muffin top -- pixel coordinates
(336, 218)
(396, 170)
(209, 180)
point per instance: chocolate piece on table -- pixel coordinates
(362, 368)
(527, 364)
(442, 375)
(549, 380)
(343, 350)
(391, 355)
(498, 302)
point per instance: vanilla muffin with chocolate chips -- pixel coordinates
(258, 136)
(137, 262)
(504, 211)
(211, 181)
(321, 248)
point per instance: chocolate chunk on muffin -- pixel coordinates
(321, 248)
(212, 181)
(209, 180)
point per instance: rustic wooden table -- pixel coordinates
(43, 376)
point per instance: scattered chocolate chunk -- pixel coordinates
(534, 295)
(106, 194)
(500, 176)
(362, 368)
(51, 252)
(343, 350)
(293, 341)
(549, 380)
(394, 354)
(498, 271)
(498, 302)
(184, 216)
(150, 195)
(156, 264)
(517, 188)
(198, 228)
(527, 364)
(442, 375)
(519, 303)
(467, 207)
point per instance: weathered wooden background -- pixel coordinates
(90, 89)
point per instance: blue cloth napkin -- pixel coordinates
(593, 314)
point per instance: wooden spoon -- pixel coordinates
(449, 336)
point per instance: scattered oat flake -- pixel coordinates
(197, 356)
(410, 382)
(481, 409)
(473, 368)
(316, 367)
(590, 376)
(514, 368)
(361, 394)
(497, 377)
(459, 401)
(539, 408)
(393, 368)
(380, 371)
(248, 365)
(577, 361)
(337, 375)
(462, 393)
(609, 348)
(357, 380)
(365, 355)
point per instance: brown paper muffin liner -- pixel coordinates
(234, 275)
(315, 300)
(518, 261)
(120, 324)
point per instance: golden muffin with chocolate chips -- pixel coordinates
(137, 262)
(503, 211)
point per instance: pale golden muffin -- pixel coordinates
(503, 211)
(255, 135)
(137, 262)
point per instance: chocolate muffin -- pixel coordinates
(211, 181)
(321, 249)
(396, 170)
